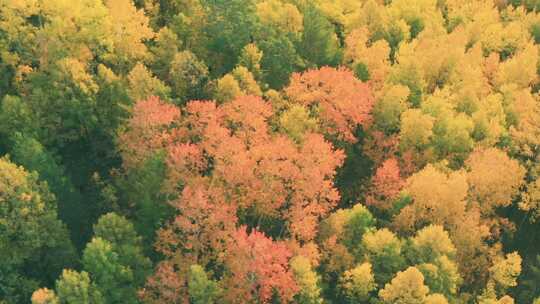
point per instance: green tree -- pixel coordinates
(113, 280)
(296, 122)
(383, 250)
(30, 153)
(280, 57)
(188, 76)
(141, 196)
(34, 244)
(231, 25)
(388, 109)
(125, 242)
(319, 45)
(359, 222)
(76, 288)
(442, 276)
(142, 84)
(201, 289)
(166, 46)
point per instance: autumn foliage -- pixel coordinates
(341, 101)
(269, 151)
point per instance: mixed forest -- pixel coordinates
(269, 151)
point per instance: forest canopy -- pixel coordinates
(269, 151)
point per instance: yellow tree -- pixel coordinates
(307, 280)
(281, 15)
(371, 61)
(407, 287)
(357, 283)
(130, 29)
(437, 197)
(494, 178)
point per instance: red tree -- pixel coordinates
(257, 268)
(147, 130)
(386, 185)
(225, 160)
(342, 101)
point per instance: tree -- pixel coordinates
(339, 100)
(140, 195)
(200, 230)
(319, 45)
(247, 81)
(280, 58)
(522, 113)
(442, 276)
(44, 296)
(528, 283)
(416, 130)
(32, 155)
(494, 178)
(163, 52)
(356, 284)
(437, 197)
(388, 109)
(239, 82)
(504, 273)
(230, 26)
(32, 236)
(62, 102)
(16, 116)
(76, 288)
(370, 60)
(251, 58)
(451, 131)
(125, 242)
(430, 243)
(283, 16)
(188, 76)
(436, 298)
(201, 289)
(256, 268)
(520, 69)
(406, 287)
(227, 89)
(386, 185)
(165, 285)
(130, 29)
(113, 280)
(307, 280)
(347, 225)
(383, 250)
(142, 84)
(359, 222)
(143, 133)
(296, 122)
(335, 256)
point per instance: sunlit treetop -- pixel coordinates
(336, 97)
(284, 16)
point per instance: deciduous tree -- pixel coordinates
(339, 100)
(257, 267)
(406, 287)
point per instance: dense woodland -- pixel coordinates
(269, 151)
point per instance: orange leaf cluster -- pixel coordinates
(342, 101)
